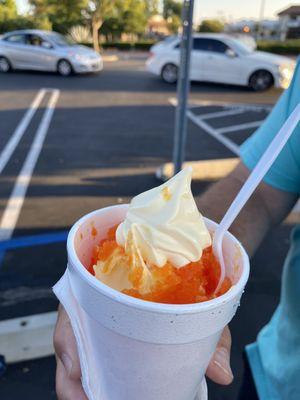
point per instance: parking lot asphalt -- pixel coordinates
(101, 144)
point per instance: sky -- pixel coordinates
(228, 10)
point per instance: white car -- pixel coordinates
(46, 51)
(221, 58)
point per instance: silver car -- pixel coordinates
(46, 51)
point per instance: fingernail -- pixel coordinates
(221, 360)
(66, 360)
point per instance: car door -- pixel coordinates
(41, 53)
(197, 57)
(15, 49)
(220, 62)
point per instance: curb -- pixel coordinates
(112, 58)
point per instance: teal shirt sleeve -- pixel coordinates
(285, 172)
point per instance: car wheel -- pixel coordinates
(4, 64)
(64, 68)
(169, 73)
(261, 80)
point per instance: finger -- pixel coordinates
(65, 345)
(219, 369)
(66, 388)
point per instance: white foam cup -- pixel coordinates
(132, 349)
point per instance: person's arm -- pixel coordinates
(266, 208)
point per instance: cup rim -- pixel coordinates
(144, 304)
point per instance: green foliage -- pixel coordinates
(133, 18)
(140, 45)
(112, 26)
(211, 25)
(174, 23)
(8, 10)
(108, 17)
(291, 47)
(16, 23)
(152, 7)
(130, 16)
(172, 8)
(59, 15)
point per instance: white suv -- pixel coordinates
(222, 59)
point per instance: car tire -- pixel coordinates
(64, 68)
(5, 65)
(169, 73)
(261, 80)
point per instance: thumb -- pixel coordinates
(219, 369)
(65, 345)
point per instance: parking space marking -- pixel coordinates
(239, 127)
(20, 130)
(221, 113)
(231, 109)
(206, 103)
(16, 200)
(214, 132)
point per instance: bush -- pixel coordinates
(143, 46)
(211, 25)
(15, 24)
(24, 23)
(80, 34)
(291, 47)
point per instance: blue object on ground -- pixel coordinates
(2, 365)
(34, 240)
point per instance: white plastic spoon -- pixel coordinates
(250, 185)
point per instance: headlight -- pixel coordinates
(81, 58)
(286, 71)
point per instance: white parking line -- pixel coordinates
(222, 113)
(16, 200)
(217, 133)
(20, 130)
(206, 103)
(234, 128)
(213, 132)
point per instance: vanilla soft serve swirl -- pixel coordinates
(162, 225)
(165, 224)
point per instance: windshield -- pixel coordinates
(169, 39)
(241, 47)
(61, 40)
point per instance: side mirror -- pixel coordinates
(230, 53)
(46, 45)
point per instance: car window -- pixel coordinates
(61, 40)
(34, 40)
(18, 39)
(214, 45)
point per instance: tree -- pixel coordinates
(8, 10)
(171, 8)
(174, 23)
(59, 15)
(211, 25)
(119, 16)
(152, 7)
(172, 13)
(99, 11)
(134, 18)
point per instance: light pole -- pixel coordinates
(183, 85)
(261, 17)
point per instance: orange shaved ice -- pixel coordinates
(193, 283)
